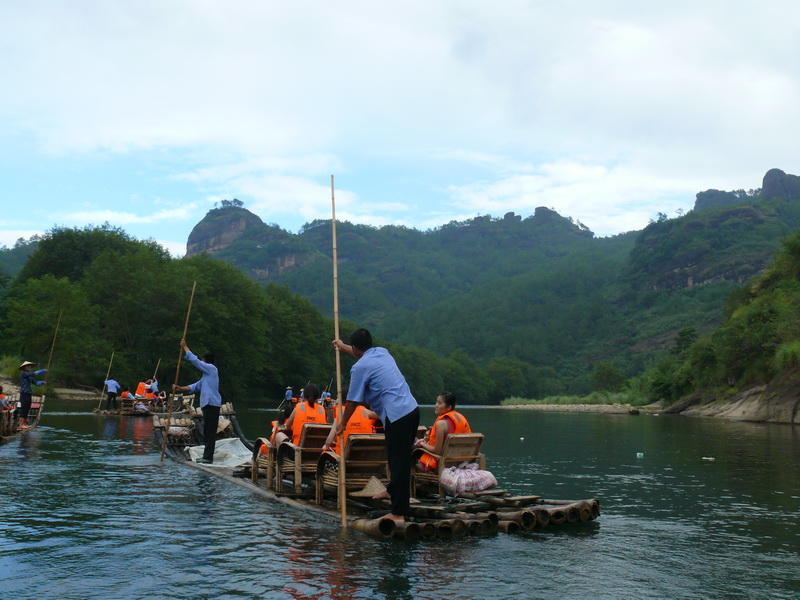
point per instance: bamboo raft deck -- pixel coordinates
(180, 406)
(9, 420)
(306, 477)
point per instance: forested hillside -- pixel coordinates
(540, 291)
(488, 307)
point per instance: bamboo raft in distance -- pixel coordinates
(482, 513)
(180, 406)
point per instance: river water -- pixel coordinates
(89, 511)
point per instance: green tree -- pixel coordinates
(607, 378)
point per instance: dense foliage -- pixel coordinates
(114, 294)
(541, 291)
(759, 337)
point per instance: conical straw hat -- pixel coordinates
(373, 488)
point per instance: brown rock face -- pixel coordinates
(778, 184)
(219, 229)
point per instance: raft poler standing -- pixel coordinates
(27, 378)
(376, 381)
(210, 400)
(113, 387)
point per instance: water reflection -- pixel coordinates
(89, 506)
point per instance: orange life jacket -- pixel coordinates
(305, 413)
(150, 395)
(6, 408)
(359, 423)
(272, 437)
(141, 389)
(126, 395)
(428, 461)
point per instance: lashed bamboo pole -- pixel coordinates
(177, 370)
(342, 478)
(49, 360)
(108, 372)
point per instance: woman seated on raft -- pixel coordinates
(448, 421)
(362, 420)
(308, 410)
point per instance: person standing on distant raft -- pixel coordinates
(210, 400)
(376, 381)
(287, 397)
(27, 379)
(113, 387)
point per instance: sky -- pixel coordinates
(145, 114)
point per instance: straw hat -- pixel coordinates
(288, 387)
(373, 488)
(26, 364)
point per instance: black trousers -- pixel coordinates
(24, 404)
(400, 436)
(111, 400)
(210, 423)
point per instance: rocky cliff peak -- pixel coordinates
(778, 184)
(219, 228)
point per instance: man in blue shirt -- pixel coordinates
(210, 400)
(113, 388)
(376, 381)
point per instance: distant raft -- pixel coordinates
(306, 477)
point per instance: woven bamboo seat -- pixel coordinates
(301, 458)
(458, 447)
(364, 458)
(263, 458)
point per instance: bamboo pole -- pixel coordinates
(49, 360)
(158, 364)
(177, 371)
(53, 345)
(342, 478)
(108, 372)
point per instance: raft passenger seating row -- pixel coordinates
(364, 458)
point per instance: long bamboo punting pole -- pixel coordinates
(49, 360)
(342, 478)
(158, 364)
(53, 345)
(108, 372)
(177, 371)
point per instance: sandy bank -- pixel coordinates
(613, 409)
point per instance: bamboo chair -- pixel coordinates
(364, 458)
(263, 458)
(458, 447)
(301, 458)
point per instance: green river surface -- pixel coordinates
(89, 511)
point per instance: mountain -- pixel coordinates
(540, 289)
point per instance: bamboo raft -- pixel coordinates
(306, 477)
(180, 406)
(9, 420)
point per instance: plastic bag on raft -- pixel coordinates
(466, 477)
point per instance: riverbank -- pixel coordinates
(612, 409)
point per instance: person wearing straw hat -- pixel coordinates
(210, 400)
(376, 381)
(27, 379)
(287, 397)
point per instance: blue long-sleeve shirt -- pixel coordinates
(208, 386)
(28, 378)
(376, 381)
(112, 385)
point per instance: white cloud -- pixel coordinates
(122, 218)
(9, 237)
(607, 111)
